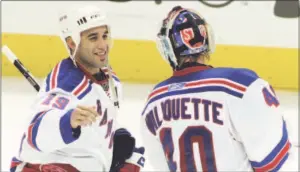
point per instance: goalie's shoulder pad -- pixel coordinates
(67, 77)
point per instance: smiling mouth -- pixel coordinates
(101, 55)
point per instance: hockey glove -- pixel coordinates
(135, 163)
(124, 145)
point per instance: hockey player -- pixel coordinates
(73, 125)
(210, 119)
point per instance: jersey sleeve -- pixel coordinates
(50, 127)
(155, 155)
(259, 125)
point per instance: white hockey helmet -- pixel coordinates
(79, 19)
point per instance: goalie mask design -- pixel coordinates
(184, 33)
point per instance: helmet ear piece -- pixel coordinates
(70, 42)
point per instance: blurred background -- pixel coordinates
(259, 35)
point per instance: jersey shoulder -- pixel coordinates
(241, 76)
(67, 77)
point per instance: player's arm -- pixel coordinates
(51, 127)
(260, 126)
(154, 151)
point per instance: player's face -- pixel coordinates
(94, 47)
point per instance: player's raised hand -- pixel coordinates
(83, 116)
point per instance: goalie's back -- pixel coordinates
(201, 119)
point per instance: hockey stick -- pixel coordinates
(18, 64)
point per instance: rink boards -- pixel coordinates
(248, 35)
(139, 61)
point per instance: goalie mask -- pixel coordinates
(184, 33)
(76, 20)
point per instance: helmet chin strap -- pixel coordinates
(112, 86)
(73, 56)
(114, 89)
(76, 40)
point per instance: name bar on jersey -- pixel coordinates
(213, 85)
